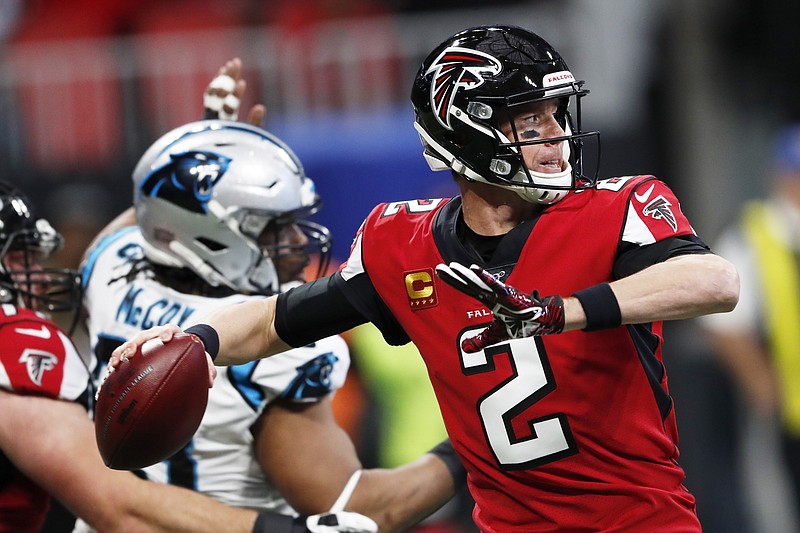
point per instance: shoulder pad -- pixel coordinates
(412, 207)
(621, 182)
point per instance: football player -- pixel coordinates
(47, 441)
(536, 297)
(221, 218)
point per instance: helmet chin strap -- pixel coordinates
(541, 195)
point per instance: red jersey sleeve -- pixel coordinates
(653, 213)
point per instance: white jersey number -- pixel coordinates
(532, 379)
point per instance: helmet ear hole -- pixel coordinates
(210, 244)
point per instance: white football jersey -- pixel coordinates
(219, 460)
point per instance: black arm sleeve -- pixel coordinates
(364, 297)
(313, 311)
(632, 258)
(331, 305)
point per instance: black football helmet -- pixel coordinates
(25, 282)
(472, 83)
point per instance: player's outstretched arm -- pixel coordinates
(398, 498)
(312, 461)
(681, 287)
(685, 286)
(238, 333)
(52, 442)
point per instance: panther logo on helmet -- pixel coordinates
(197, 171)
(458, 68)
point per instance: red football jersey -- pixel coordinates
(36, 358)
(570, 432)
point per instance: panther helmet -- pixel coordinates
(471, 84)
(24, 281)
(205, 193)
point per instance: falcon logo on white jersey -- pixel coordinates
(37, 362)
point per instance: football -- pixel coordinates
(151, 405)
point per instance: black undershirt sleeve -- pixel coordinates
(331, 305)
(632, 258)
(313, 311)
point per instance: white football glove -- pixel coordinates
(219, 100)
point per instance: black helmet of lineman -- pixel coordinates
(26, 283)
(471, 84)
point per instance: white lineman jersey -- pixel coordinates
(219, 460)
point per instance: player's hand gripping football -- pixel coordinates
(516, 314)
(133, 348)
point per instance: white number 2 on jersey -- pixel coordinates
(531, 380)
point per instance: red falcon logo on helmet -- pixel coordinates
(456, 68)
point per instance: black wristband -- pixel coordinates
(208, 336)
(444, 451)
(271, 522)
(600, 306)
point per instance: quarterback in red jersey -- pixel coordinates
(536, 298)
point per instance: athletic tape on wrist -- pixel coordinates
(344, 497)
(212, 102)
(223, 82)
(600, 306)
(231, 102)
(208, 336)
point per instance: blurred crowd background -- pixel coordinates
(692, 91)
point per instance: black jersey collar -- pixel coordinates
(453, 248)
